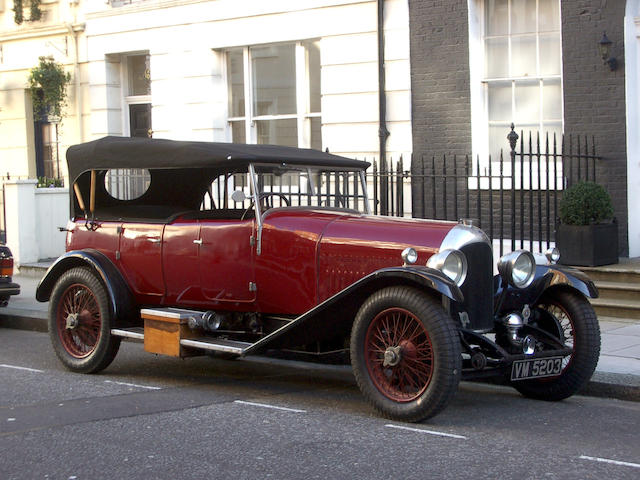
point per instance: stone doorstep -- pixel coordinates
(33, 270)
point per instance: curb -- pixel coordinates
(602, 385)
(20, 319)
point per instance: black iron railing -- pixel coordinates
(513, 198)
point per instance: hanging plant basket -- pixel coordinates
(48, 85)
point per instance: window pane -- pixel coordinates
(278, 132)
(235, 85)
(523, 56)
(549, 15)
(551, 129)
(523, 16)
(552, 100)
(527, 103)
(139, 75)
(550, 54)
(274, 79)
(500, 102)
(498, 141)
(316, 133)
(497, 17)
(497, 58)
(313, 67)
(127, 183)
(238, 132)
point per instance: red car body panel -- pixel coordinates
(180, 263)
(355, 246)
(307, 255)
(226, 262)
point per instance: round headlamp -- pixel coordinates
(409, 256)
(452, 263)
(517, 268)
(553, 255)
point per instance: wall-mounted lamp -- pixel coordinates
(605, 52)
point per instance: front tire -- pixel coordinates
(80, 322)
(570, 317)
(405, 353)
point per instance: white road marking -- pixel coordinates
(133, 385)
(430, 432)
(35, 370)
(295, 410)
(606, 460)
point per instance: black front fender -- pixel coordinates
(549, 276)
(121, 300)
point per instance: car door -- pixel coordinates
(180, 249)
(226, 257)
(141, 260)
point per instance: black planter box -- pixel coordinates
(588, 245)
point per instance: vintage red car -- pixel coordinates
(198, 247)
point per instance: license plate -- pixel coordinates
(536, 368)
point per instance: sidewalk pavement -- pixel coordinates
(617, 374)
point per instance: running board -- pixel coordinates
(136, 333)
(203, 343)
(216, 345)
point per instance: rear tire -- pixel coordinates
(571, 316)
(80, 322)
(405, 353)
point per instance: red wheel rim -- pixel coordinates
(399, 355)
(78, 321)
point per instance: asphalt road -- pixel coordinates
(148, 416)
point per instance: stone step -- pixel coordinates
(610, 274)
(619, 290)
(623, 309)
(32, 270)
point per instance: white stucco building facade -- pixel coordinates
(302, 73)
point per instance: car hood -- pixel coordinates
(331, 249)
(354, 246)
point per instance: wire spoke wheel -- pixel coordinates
(405, 353)
(80, 322)
(399, 355)
(567, 315)
(563, 326)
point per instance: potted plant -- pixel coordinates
(48, 86)
(587, 234)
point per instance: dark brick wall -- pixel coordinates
(439, 42)
(594, 97)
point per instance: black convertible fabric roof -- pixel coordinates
(125, 152)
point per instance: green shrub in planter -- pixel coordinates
(587, 234)
(585, 203)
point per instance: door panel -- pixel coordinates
(104, 237)
(226, 260)
(180, 263)
(141, 260)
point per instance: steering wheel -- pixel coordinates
(265, 196)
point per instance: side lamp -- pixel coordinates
(605, 52)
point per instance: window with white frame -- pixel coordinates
(521, 79)
(137, 94)
(274, 94)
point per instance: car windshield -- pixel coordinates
(293, 186)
